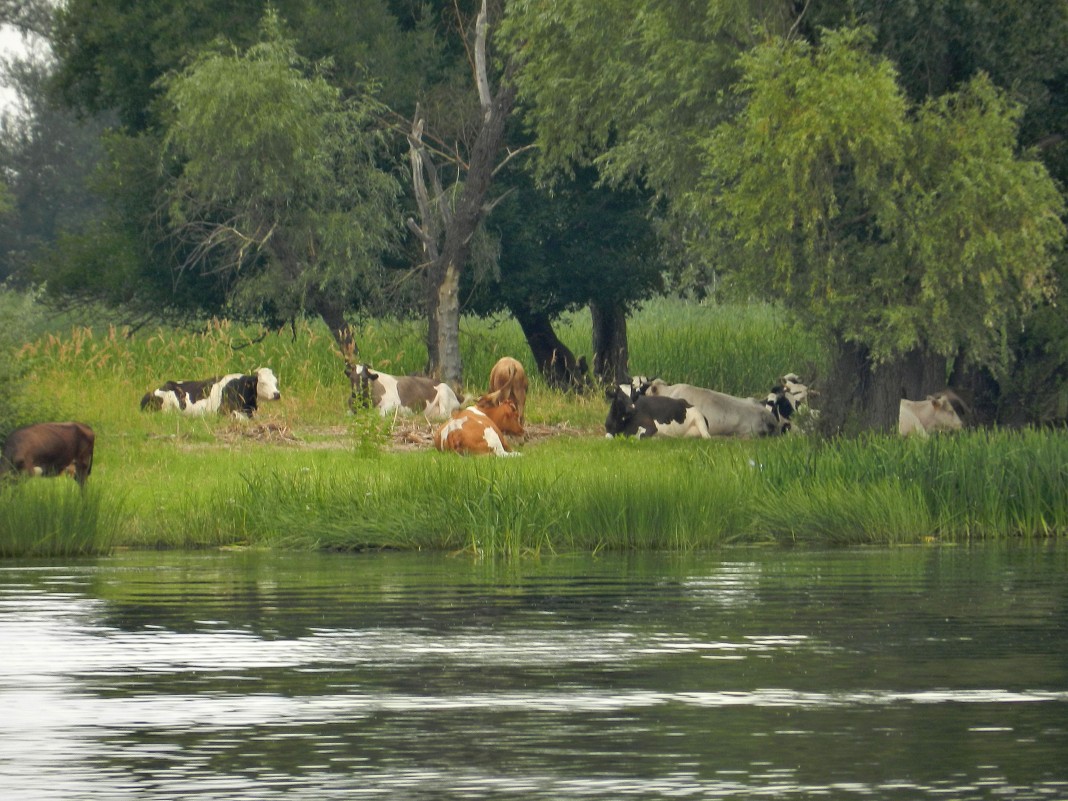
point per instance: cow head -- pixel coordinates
(268, 386)
(361, 377)
(504, 414)
(620, 412)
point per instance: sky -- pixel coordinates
(11, 43)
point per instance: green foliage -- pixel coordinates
(19, 313)
(894, 231)
(278, 182)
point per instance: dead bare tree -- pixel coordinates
(448, 221)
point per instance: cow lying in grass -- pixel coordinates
(942, 411)
(234, 394)
(50, 449)
(646, 416)
(480, 429)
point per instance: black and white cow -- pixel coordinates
(786, 397)
(725, 415)
(235, 394)
(50, 449)
(409, 393)
(646, 416)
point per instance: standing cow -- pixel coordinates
(508, 378)
(408, 393)
(49, 449)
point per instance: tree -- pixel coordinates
(276, 184)
(911, 238)
(450, 218)
(578, 245)
(635, 88)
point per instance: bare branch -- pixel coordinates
(485, 98)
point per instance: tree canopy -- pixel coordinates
(276, 183)
(896, 227)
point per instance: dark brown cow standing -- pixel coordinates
(49, 449)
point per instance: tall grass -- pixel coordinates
(306, 474)
(56, 518)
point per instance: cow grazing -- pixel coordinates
(480, 429)
(234, 394)
(510, 379)
(411, 393)
(942, 411)
(50, 449)
(725, 415)
(646, 416)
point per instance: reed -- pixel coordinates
(56, 518)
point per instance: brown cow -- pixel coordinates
(50, 449)
(480, 429)
(510, 380)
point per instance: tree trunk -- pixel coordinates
(459, 223)
(554, 359)
(862, 396)
(611, 355)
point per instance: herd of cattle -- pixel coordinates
(642, 408)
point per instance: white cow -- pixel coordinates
(939, 412)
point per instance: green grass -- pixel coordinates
(307, 475)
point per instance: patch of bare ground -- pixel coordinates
(405, 434)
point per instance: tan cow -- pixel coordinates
(509, 379)
(939, 412)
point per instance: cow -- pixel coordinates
(226, 395)
(786, 397)
(480, 429)
(725, 415)
(509, 378)
(646, 416)
(410, 393)
(942, 411)
(50, 449)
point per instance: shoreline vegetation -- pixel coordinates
(305, 474)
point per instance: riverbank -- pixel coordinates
(305, 474)
(570, 491)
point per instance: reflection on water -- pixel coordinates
(873, 674)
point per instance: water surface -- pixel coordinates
(872, 674)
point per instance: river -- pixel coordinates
(911, 673)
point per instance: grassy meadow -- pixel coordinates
(305, 474)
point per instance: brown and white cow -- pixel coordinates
(942, 411)
(409, 393)
(50, 449)
(509, 378)
(646, 416)
(235, 394)
(725, 415)
(480, 429)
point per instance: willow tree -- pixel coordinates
(912, 237)
(277, 185)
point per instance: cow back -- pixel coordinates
(50, 449)
(509, 380)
